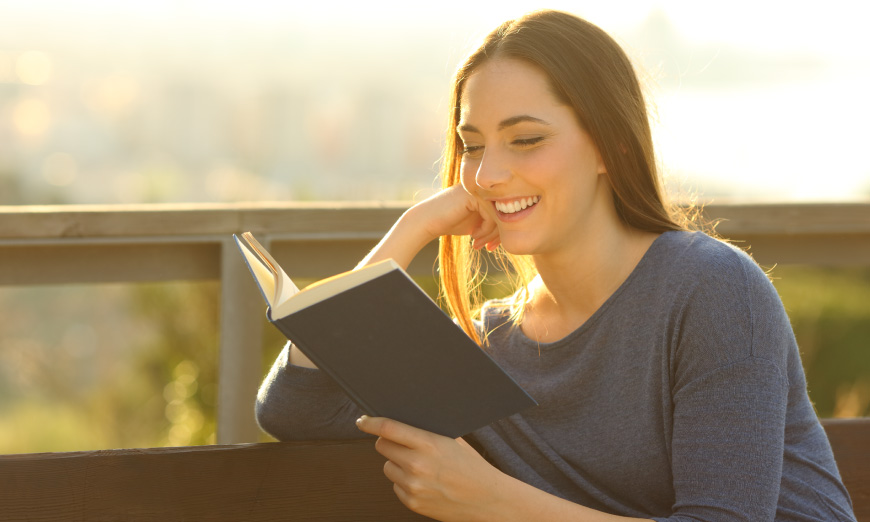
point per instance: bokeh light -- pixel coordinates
(31, 117)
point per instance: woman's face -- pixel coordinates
(527, 160)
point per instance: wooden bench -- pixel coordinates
(850, 439)
(310, 481)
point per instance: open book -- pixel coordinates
(388, 345)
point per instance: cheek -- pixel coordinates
(569, 167)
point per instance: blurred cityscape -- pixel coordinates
(137, 109)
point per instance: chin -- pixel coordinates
(517, 248)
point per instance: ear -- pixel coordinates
(601, 168)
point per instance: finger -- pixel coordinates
(395, 431)
(483, 235)
(392, 450)
(394, 472)
(411, 494)
(491, 236)
(490, 241)
(404, 497)
(484, 226)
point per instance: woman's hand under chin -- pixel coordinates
(454, 212)
(450, 212)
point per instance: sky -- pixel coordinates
(787, 121)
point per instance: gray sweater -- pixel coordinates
(681, 398)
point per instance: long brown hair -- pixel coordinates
(589, 72)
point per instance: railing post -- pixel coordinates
(240, 368)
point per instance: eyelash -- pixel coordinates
(526, 142)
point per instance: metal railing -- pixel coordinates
(103, 244)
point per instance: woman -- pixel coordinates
(668, 379)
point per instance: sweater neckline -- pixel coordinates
(645, 260)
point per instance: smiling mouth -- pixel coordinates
(511, 207)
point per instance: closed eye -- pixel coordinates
(471, 150)
(526, 142)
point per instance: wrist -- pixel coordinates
(402, 243)
(509, 501)
(416, 226)
(514, 500)
(497, 496)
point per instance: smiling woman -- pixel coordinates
(668, 380)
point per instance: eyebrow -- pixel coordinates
(513, 120)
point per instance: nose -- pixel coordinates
(491, 171)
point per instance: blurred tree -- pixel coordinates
(179, 363)
(75, 384)
(830, 313)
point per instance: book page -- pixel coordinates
(336, 284)
(262, 273)
(287, 288)
(283, 287)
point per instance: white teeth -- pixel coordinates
(512, 207)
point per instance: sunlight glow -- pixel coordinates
(33, 67)
(754, 100)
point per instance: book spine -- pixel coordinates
(366, 408)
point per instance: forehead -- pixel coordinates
(506, 87)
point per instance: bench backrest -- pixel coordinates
(850, 440)
(324, 481)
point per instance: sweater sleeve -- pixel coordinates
(296, 403)
(728, 444)
(729, 396)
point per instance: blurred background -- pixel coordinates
(224, 101)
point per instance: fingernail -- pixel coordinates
(359, 420)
